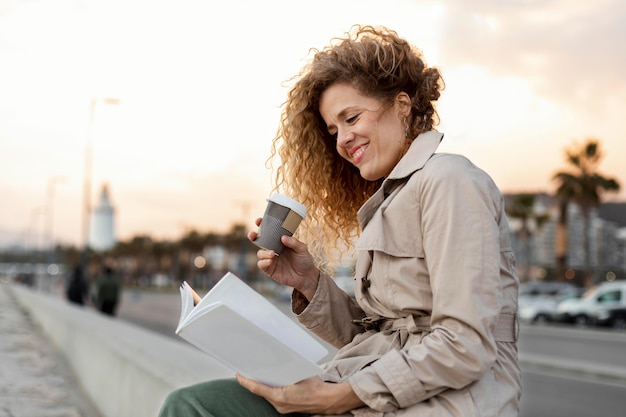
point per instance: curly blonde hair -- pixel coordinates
(380, 64)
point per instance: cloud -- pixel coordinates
(572, 51)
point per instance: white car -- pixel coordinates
(536, 309)
(540, 309)
(608, 295)
(538, 300)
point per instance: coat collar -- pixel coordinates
(420, 151)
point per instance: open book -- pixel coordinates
(242, 329)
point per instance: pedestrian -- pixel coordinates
(108, 291)
(432, 330)
(77, 288)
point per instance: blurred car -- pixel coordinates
(540, 309)
(538, 300)
(606, 296)
(536, 309)
(610, 317)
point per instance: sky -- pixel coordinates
(187, 97)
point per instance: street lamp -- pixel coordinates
(111, 101)
(52, 182)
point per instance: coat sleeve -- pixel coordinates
(329, 314)
(460, 210)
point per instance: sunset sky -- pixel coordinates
(200, 84)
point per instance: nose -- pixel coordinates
(344, 137)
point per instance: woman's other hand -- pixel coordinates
(309, 396)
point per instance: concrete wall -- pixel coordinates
(124, 369)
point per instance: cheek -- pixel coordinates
(394, 128)
(395, 139)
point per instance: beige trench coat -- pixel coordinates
(435, 255)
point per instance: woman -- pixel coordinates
(432, 330)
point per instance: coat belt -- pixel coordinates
(506, 330)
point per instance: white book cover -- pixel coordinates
(246, 332)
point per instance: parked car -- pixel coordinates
(606, 296)
(538, 300)
(542, 308)
(610, 317)
(536, 309)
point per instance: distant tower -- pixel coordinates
(102, 232)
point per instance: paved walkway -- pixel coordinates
(35, 378)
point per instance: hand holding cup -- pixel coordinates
(281, 218)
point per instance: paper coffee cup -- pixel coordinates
(282, 217)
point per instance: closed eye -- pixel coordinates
(350, 120)
(332, 130)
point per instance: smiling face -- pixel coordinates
(370, 134)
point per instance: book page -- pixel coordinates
(242, 346)
(234, 293)
(187, 304)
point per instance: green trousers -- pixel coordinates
(219, 398)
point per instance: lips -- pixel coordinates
(357, 154)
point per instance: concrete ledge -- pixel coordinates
(127, 370)
(124, 369)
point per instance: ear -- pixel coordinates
(403, 104)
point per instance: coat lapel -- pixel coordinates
(422, 148)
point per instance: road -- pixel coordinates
(558, 394)
(551, 387)
(601, 346)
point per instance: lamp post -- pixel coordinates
(52, 182)
(87, 178)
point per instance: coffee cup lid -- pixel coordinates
(283, 200)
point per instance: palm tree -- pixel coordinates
(523, 207)
(565, 193)
(584, 186)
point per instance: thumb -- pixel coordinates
(293, 243)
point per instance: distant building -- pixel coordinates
(614, 212)
(607, 239)
(102, 231)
